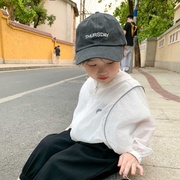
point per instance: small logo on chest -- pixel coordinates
(98, 110)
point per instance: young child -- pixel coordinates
(111, 125)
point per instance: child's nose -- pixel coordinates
(102, 69)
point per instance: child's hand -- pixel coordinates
(128, 162)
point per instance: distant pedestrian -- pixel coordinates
(57, 54)
(130, 32)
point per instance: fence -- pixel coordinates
(163, 52)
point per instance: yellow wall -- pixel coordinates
(1, 36)
(23, 44)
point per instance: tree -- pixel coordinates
(17, 10)
(41, 14)
(154, 18)
(27, 11)
(159, 17)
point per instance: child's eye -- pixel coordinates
(110, 62)
(92, 65)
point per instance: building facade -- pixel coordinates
(64, 26)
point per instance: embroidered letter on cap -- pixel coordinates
(98, 34)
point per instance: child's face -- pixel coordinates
(102, 70)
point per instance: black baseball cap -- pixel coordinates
(99, 36)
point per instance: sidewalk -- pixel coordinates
(164, 164)
(163, 93)
(10, 67)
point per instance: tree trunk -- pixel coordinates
(11, 12)
(137, 54)
(36, 22)
(130, 3)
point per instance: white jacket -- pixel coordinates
(116, 114)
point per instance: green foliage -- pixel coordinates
(41, 13)
(18, 10)
(121, 12)
(24, 14)
(27, 11)
(51, 19)
(154, 17)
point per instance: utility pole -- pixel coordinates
(136, 43)
(82, 10)
(135, 20)
(135, 11)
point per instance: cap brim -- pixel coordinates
(114, 53)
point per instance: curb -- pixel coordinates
(11, 68)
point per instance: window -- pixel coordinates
(174, 37)
(161, 43)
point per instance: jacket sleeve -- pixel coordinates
(133, 125)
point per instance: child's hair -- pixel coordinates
(99, 36)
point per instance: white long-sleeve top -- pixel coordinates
(116, 114)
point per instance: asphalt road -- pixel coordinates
(33, 103)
